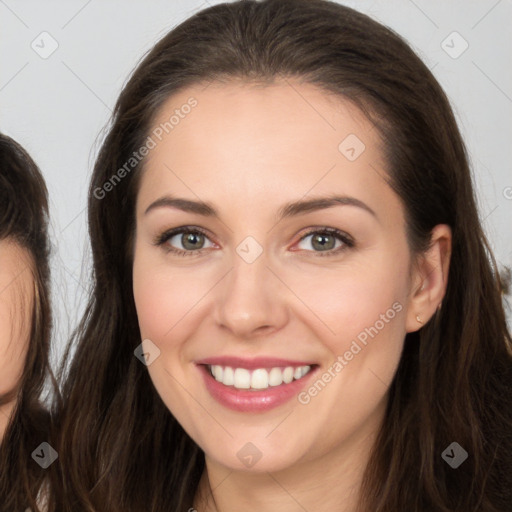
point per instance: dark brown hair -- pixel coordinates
(24, 220)
(122, 450)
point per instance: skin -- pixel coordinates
(248, 150)
(16, 294)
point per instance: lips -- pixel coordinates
(252, 364)
(240, 384)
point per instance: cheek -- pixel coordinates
(166, 300)
(155, 305)
(357, 301)
(163, 297)
(14, 342)
(362, 326)
(169, 299)
(359, 317)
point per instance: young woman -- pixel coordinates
(294, 306)
(25, 326)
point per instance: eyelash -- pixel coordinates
(167, 235)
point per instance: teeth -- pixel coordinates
(288, 375)
(275, 377)
(217, 372)
(229, 376)
(242, 378)
(262, 378)
(259, 379)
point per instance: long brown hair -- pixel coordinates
(24, 220)
(122, 450)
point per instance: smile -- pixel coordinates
(254, 386)
(257, 379)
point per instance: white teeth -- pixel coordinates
(229, 376)
(217, 372)
(275, 377)
(242, 378)
(261, 378)
(288, 375)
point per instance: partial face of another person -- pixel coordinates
(271, 299)
(16, 300)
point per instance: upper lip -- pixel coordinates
(251, 364)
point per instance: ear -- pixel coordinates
(429, 279)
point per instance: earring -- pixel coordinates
(418, 319)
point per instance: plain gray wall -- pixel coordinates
(56, 105)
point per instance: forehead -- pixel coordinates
(245, 141)
(282, 117)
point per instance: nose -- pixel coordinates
(251, 300)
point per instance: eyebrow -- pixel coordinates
(291, 209)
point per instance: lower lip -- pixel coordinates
(242, 400)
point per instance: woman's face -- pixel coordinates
(16, 298)
(264, 286)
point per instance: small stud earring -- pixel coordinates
(419, 319)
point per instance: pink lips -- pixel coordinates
(251, 364)
(242, 400)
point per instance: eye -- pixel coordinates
(192, 241)
(325, 241)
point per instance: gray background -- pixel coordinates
(57, 106)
